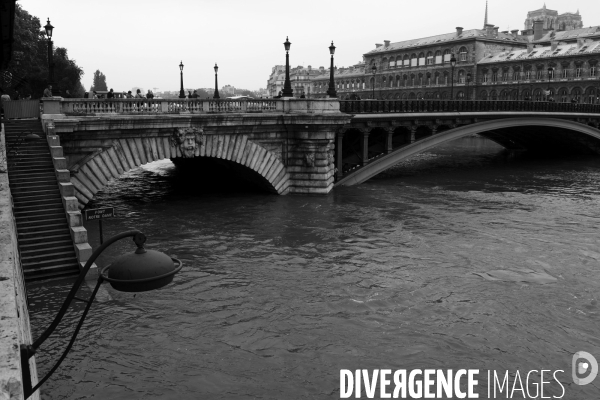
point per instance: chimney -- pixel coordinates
(459, 30)
(505, 32)
(321, 68)
(310, 68)
(553, 45)
(580, 42)
(378, 45)
(515, 32)
(529, 47)
(495, 31)
(387, 43)
(538, 30)
(489, 29)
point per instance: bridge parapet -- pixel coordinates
(85, 107)
(431, 106)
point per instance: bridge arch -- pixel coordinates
(381, 164)
(95, 171)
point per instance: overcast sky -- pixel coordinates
(141, 42)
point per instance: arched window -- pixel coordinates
(563, 94)
(406, 61)
(483, 95)
(430, 58)
(384, 63)
(421, 58)
(460, 95)
(493, 95)
(413, 60)
(576, 94)
(505, 75)
(445, 78)
(405, 80)
(412, 80)
(437, 78)
(447, 55)
(461, 76)
(485, 77)
(438, 57)
(391, 81)
(516, 75)
(462, 53)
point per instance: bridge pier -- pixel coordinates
(389, 140)
(365, 146)
(413, 133)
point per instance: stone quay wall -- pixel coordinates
(14, 316)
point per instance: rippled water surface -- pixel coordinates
(465, 257)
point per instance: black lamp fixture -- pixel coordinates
(331, 92)
(374, 71)
(181, 92)
(469, 76)
(216, 94)
(49, 29)
(141, 271)
(452, 65)
(287, 86)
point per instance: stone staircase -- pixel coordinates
(44, 237)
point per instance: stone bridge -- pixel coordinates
(383, 133)
(283, 145)
(296, 145)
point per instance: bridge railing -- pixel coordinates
(169, 106)
(424, 106)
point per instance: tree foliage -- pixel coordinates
(99, 81)
(29, 63)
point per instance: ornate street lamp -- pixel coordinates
(49, 28)
(468, 82)
(216, 95)
(331, 92)
(181, 92)
(287, 86)
(374, 71)
(452, 65)
(138, 272)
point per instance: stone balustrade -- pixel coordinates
(82, 107)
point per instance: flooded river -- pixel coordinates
(466, 257)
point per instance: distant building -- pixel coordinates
(489, 65)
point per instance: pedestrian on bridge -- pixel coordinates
(195, 95)
(129, 95)
(110, 94)
(149, 95)
(139, 95)
(48, 91)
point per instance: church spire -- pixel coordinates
(485, 21)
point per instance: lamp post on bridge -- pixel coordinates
(49, 28)
(331, 92)
(468, 82)
(216, 95)
(181, 92)
(452, 65)
(374, 70)
(287, 86)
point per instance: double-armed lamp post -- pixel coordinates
(287, 86)
(141, 271)
(216, 94)
(181, 92)
(49, 28)
(331, 92)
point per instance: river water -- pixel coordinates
(466, 257)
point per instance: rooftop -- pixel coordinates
(570, 35)
(561, 50)
(446, 38)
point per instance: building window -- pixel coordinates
(428, 81)
(445, 79)
(447, 56)
(540, 74)
(437, 79)
(593, 71)
(577, 72)
(461, 76)
(516, 76)
(430, 58)
(438, 57)
(504, 76)
(495, 77)
(463, 54)
(565, 73)
(551, 73)
(528, 74)
(484, 78)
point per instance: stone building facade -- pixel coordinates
(490, 65)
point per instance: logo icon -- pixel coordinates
(584, 364)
